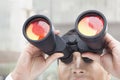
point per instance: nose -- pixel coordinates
(78, 64)
(78, 71)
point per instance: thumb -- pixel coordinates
(53, 57)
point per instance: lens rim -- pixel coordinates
(88, 13)
(32, 19)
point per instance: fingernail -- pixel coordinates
(60, 54)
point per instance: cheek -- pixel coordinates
(97, 72)
(64, 75)
(64, 72)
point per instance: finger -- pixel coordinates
(57, 32)
(109, 38)
(53, 57)
(107, 61)
(92, 56)
(111, 42)
(32, 50)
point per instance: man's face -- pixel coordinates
(80, 69)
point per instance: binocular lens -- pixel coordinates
(37, 29)
(90, 25)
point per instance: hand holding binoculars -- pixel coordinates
(87, 36)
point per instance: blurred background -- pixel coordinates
(62, 13)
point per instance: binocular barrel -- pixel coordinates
(91, 27)
(88, 35)
(39, 32)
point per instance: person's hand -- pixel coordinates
(32, 63)
(110, 59)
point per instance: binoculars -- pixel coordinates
(87, 35)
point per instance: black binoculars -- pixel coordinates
(87, 36)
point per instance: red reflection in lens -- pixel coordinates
(37, 30)
(91, 25)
